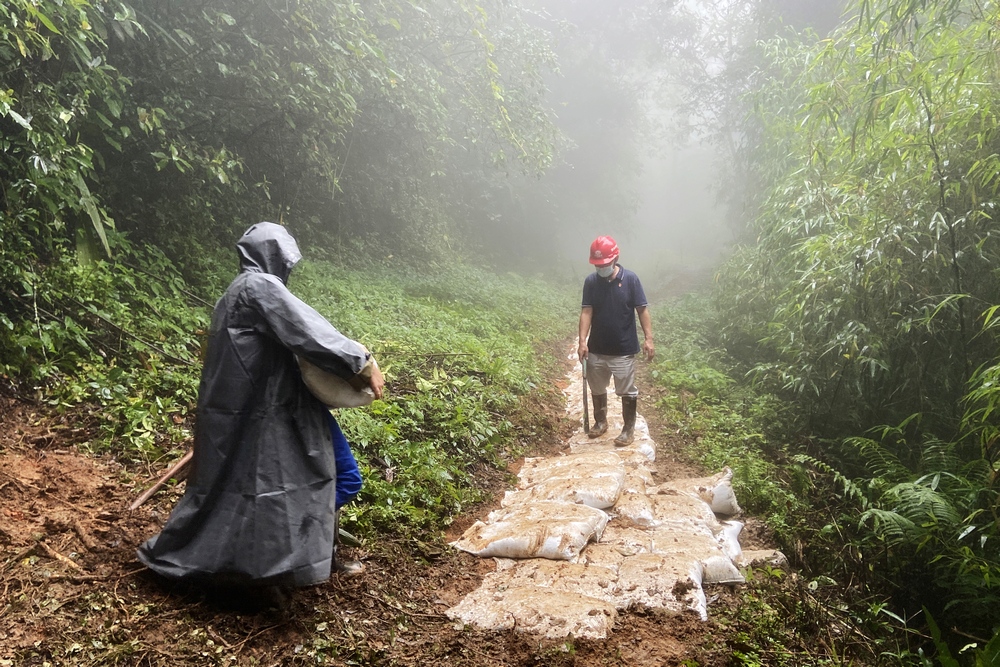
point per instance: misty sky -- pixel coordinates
(678, 224)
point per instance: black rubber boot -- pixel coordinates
(628, 415)
(600, 426)
(343, 568)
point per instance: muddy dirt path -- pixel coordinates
(73, 593)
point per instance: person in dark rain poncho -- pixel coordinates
(260, 504)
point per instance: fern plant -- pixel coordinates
(934, 525)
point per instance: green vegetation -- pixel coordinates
(833, 609)
(851, 371)
(182, 123)
(119, 339)
(729, 421)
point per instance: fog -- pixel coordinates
(680, 224)
(663, 189)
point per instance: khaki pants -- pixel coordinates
(601, 368)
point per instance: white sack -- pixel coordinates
(637, 479)
(637, 508)
(626, 540)
(593, 479)
(591, 464)
(729, 539)
(550, 613)
(640, 450)
(332, 390)
(589, 580)
(600, 555)
(598, 492)
(716, 490)
(539, 530)
(670, 506)
(696, 545)
(660, 581)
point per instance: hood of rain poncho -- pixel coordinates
(258, 508)
(268, 248)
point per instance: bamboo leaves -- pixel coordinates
(878, 249)
(90, 206)
(883, 223)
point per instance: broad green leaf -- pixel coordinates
(19, 119)
(91, 208)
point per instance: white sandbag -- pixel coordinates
(729, 540)
(567, 577)
(661, 581)
(332, 390)
(642, 450)
(719, 569)
(539, 530)
(637, 508)
(634, 457)
(593, 479)
(716, 490)
(637, 479)
(696, 545)
(669, 506)
(593, 464)
(599, 492)
(626, 540)
(600, 555)
(542, 611)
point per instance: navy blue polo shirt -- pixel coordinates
(612, 329)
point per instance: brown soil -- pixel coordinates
(74, 593)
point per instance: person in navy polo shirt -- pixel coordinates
(612, 296)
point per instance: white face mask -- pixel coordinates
(606, 271)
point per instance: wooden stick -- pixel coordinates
(59, 557)
(151, 491)
(79, 579)
(85, 538)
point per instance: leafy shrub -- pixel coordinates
(112, 335)
(858, 302)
